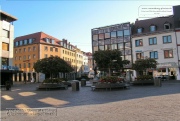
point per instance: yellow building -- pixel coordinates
(30, 48)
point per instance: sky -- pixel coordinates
(73, 19)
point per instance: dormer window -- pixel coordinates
(30, 41)
(152, 28)
(167, 26)
(52, 41)
(139, 30)
(47, 40)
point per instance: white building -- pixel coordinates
(6, 46)
(158, 38)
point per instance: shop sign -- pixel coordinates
(5, 67)
(168, 65)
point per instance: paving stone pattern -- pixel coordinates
(139, 103)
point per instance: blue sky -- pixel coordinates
(72, 20)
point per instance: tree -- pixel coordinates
(52, 66)
(108, 59)
(142, 65)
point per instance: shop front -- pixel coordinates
(7, 74)
(170, 69)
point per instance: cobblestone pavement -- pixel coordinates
(139, 103)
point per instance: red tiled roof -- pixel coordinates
(38, 37)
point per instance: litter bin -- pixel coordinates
(75, 86)
(157, 82)
(83, 82)
(8, 85)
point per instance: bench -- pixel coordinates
(142, 82)
(52, 86)
(109, 86)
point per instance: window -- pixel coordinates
(45, 48)
(19, 65)
(16, 43)
(45, 55)
(113, 34)
(101, 47)
(152, 28)
(29, 49)
(25, 42)
(154, 54)
(120, 46)
(139, 42)
(56, 49)
(127, 45)
(167, 39)
(29, 56)
(127, 51)
(52, 41)
(29, 65)
(95, 49)
(152, 41)
(47, 40)
(5, 46)
(21, 42)
(51, 49)
(120, 33)
(5, 33)
(168, 53)
(19, 57)
(24, 65)
(30, 41)
(107, 35)
(5, 61)
(101, 36)
(107, 47)
(24, 49)
(16, 51)
(34, 56)
(167, 26)
(139, 56)
(19, 50)
(63, 51)
(139, 30)
(126, 32)
(114, 46)
(34, 48)
(24, 57)
(65, 45)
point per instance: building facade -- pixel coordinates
(90, 60)
(30, 48)
(6, 46)
(113, 37)
(158, 38)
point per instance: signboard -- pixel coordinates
(168, 65)
(5, 67)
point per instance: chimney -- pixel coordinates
(137, 19)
